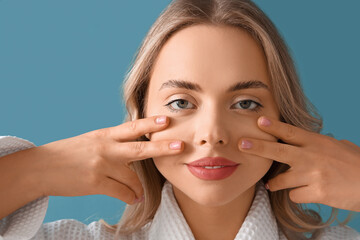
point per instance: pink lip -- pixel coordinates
(197, 168)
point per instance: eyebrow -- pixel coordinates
(177, 83)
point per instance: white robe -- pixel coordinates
(168, 223)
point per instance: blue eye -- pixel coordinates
(179, 104)
(249, 105)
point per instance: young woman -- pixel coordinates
(217, 111)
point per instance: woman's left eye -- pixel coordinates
(249, 105)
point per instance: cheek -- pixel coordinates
(246, 127)
(175, 131)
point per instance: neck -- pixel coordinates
(220, 222)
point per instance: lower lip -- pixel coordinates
(212, 174)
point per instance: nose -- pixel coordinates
(211, 129)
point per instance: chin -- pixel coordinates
(211, 195)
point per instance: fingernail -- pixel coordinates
(139, 200)
(265, 122)
(246, 144)
(160, 120)
(267, 186)
(175, 145)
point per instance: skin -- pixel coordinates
(211, 122)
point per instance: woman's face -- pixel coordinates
(194, 83)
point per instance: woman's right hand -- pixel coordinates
(97, 162)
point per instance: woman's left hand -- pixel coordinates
(322, 169)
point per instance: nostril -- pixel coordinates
(204, 141)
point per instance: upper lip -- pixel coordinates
(212, 161)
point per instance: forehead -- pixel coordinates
(208, 54)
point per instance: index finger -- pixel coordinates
(132, 130)
(139, 150)
(280, 152)
(286, 132)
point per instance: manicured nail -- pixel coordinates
(139, 200)
(160, 120)
(246, 144)
(265, 122)
(175, 145)
(267, 186)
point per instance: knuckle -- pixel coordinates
(327, 140)
(138, 148)
(281, 150)
(98, 149)
(289, 132)
(133, 126)
(320, 174)
(316, 176)
(100, 133)
(320, 193)
(96, 165)
(319, 183)
(322, 179)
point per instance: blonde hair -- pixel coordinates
(295, 109)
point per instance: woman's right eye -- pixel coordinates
(178, 104)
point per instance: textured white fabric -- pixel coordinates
(24, 222)
(168, 223)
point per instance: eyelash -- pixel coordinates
(256, 109)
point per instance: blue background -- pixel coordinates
(62, 64)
